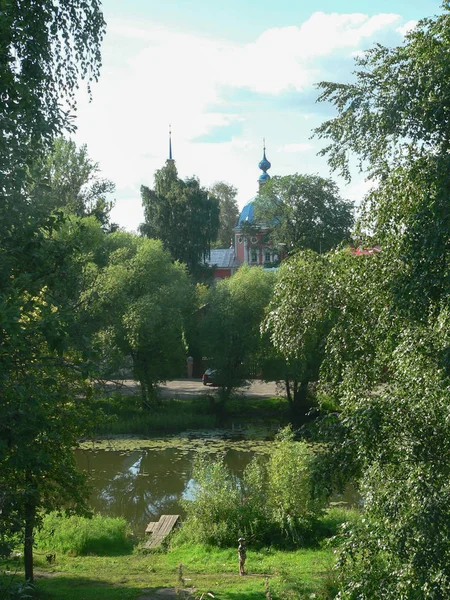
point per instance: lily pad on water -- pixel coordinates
(213, 441)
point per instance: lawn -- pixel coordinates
(300, 574)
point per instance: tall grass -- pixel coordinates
(81, 536)
(145, 424)
(125, 414)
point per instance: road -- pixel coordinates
(190, 388)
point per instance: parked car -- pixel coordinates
(210, 377)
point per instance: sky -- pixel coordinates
(225, 75)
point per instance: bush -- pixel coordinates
(124, 414)
(290, 499)
(212, 515)
(81, 536)
(336, 521)
(272, 504)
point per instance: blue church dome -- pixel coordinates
(264, 164)
(247, 214)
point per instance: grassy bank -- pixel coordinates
(297, 574)
(124, 414)
(121, 571)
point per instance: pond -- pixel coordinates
(144, 479)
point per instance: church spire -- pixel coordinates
(264, 165)
(170, 143)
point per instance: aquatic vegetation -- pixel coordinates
(212, 440)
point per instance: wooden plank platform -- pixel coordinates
(160, 530)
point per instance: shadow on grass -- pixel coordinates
(83, 588)
(63, 587)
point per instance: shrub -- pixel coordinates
(290, 499)
(213, 514)
(273, 501)
(81, 536)
(335, 518)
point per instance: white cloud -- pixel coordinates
(324, 33)
(279, 59)
(294, 147)
(357, 54)
(406, 28)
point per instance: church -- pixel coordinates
(251, 244)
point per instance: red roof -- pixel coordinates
(359, 251)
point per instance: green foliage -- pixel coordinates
(15, 590)
(391, 430)
(213, 515)
(398, 105)
(336, 521)
(229, 212)
(230, 324)
(384, 368)
(304, 211)
(45, 404)
(45, 48)
(290, 498)
(387, 354)
(67, 178)
(401, 434)
(82, 536)
(183, 215)
(138, 303)
(410, 208)
(297, 322)
(274, 503)
(126, 415)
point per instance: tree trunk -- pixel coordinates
(224, 395)
(30, 517)
(297, 396)
(140, 375)
(301, 402)
(288, 393)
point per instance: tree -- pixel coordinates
(386, 375)
(45, 48)
(304, 211)
(183, 215)
(229, 212)
(387, 362)
(139, 302)
(67, 178)
(398, 104)
(298, 320)
(274, 498)
(45, 403)
(230, 325)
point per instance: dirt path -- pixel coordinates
(191, 388)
